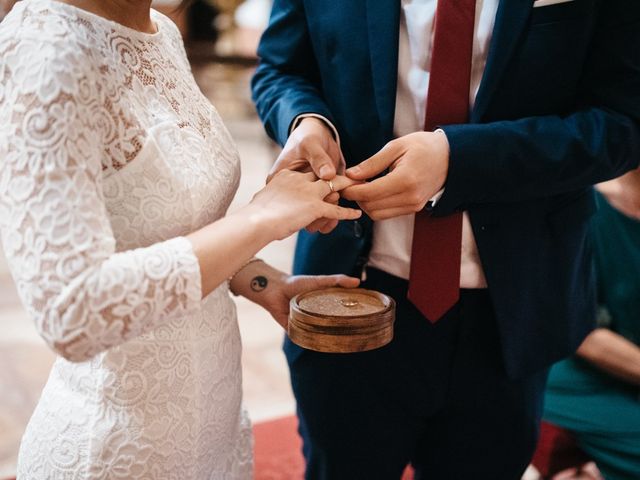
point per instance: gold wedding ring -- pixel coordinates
(330, 183)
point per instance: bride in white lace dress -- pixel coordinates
(115, 177)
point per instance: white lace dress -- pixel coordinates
(109, 153)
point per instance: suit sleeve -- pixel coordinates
(529, 158)
(286, 83)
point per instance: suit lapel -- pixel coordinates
(383, 20)
(511, 20)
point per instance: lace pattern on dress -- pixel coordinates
(110, 154)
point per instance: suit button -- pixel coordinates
(357, 229)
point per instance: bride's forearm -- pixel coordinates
(223, 247)
(291, 201)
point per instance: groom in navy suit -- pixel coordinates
(477, 129)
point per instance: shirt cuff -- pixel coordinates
(299, 118)
(436, 198)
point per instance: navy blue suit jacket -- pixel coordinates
(558, 110)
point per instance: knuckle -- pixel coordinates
(277, 175)
(366, 196)
(415, 198)
(413, 183)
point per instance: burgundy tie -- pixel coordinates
(434, 283)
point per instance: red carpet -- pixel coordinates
(557, 450)
(278, 451)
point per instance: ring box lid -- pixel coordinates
(328, 306)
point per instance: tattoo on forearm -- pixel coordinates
(259, 283)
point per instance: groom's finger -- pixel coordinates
(387, 186)
(403, 199)
(377, 163)
(387, 213)
(321, 163)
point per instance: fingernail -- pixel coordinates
(354, 170)
(325, 171)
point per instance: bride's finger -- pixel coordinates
(338, 183)
(332, 198)
(328, 227)
(341, 182)
(336, 212)
(319, 225)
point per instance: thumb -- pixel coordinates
(322, 164)
(326, 281)
(376, 164)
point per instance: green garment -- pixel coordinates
(602, 412)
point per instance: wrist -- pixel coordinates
(259, 282)
(316, 123)
(232, 279)
(262, 224)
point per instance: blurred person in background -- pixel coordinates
(116, 177)
(595, 395)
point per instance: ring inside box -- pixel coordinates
(341, 320)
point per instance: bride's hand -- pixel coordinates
(293, 200)
(276, 302)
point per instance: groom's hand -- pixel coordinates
(312, 148)
(418, 165)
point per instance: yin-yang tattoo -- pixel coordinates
(259, 283)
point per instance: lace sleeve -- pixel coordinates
(83, 297)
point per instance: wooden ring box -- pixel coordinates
(341, 320)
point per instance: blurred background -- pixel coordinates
(221, 38)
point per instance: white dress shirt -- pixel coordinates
(392, 239)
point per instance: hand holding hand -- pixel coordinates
(293, 200)
(312, 148)
(418, 165)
